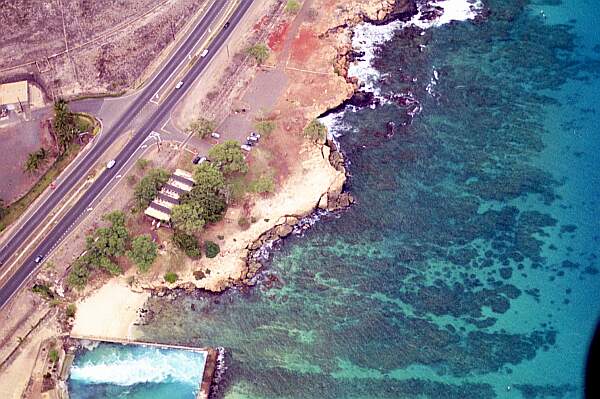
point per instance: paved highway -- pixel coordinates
(96, 189)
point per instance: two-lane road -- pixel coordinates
(97, 187)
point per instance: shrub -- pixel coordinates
(202, 127)
(211, 249)
(292, 6)
(53, 355)
(43, 290)
(142, 164)
(264, 184)
(259, 52)
(265, 128)
(243, 223)
(170, 277)
(316, 131)
(71, 310)
(78, 275)
(188, 243)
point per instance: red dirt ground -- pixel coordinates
(260, 25)
(277, 37)
(304, 45)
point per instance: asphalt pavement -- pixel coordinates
(97, 188)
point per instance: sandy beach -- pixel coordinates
(109, 312)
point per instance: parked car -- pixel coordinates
(38, 258)
(110, 164)
(254, 134)
(249, 143)
(246, 147)
(252, 139)
(178, 85)
(198, 160)
(215, 135)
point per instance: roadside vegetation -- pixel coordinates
(265, 127)
(104, 247)
(202, 127)
(293, 6)
(260, 53)
(69, 126)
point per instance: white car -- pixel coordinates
(178, 85)
(215, 135)
(110, 164)
(204, 53)
(246, 147)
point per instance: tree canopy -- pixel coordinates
(35, 160)
(228, 156)
(202, 127)
(148, 187)
(64, 125)
(208, 178)
(143, 252)
(188, 217)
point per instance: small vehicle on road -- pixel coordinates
(204, 53)
(110, 164)
(38, 258)
(198, 160)
(178, 85)
(246, 147)
(215, 135)
(226, 25)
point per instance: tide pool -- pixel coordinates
(135, 371)
(468, 268)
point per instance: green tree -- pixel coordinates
(78, 275)
(148, 187)
(316, 131)
(188, 217)
(202, 127)
(143, 252)
(211, 205)
(228, 156)
(211, 249)
(53, 355)
(265, 128)
(208, 178)
(187, 243)
(63, 125)
(260, 53)
(171, 277)
(292, 6)
(35, 160)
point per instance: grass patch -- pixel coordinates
(170, 277)
(16, 209)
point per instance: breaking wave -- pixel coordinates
(126, 367)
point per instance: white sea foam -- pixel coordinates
(368, 38)
(148, 366)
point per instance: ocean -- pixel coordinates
(468, 268)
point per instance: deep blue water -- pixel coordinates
(469, 266)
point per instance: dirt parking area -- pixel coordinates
(110, 43)
(22, 139)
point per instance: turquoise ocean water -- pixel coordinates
(109, 371)
(469, 266)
